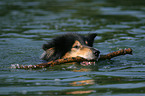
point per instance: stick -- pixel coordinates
(52, 63)
(116, 53)
(75, 59)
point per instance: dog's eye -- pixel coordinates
(76, 46)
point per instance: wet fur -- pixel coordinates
(65, 46)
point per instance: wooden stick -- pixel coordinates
(75, 59)
(116, 53)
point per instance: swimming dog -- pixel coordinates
(70, 45)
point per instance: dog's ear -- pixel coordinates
(47, 46)
(91, 38)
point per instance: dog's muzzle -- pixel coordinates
(96, 53)
(97, 56)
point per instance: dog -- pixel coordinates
(70, 45)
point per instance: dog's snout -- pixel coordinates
(96, 52)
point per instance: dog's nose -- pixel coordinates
(96, 53)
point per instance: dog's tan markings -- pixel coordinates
(79, 50)
(86, 42)
(77, 44)
(49, 52)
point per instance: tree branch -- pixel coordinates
(75, 59)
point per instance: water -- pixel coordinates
(25, 25)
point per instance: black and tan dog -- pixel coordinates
(70, 45)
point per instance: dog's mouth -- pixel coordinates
(87, 63)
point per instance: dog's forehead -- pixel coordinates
(69, 39)
(79, 38)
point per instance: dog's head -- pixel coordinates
(70, 45)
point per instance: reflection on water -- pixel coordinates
(25, 25)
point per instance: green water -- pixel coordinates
(27, 24)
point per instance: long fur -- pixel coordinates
(63, 44)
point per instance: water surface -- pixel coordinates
(25, 25)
